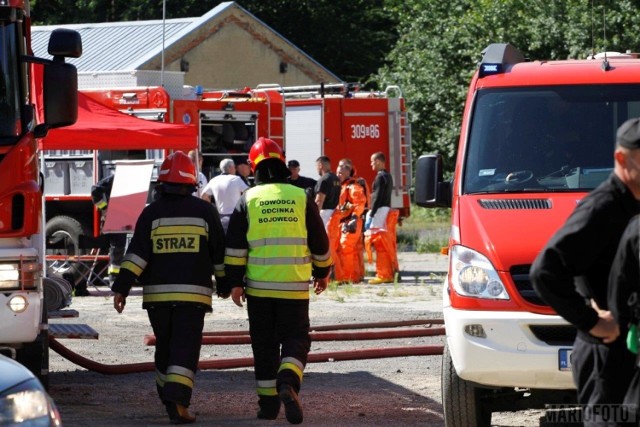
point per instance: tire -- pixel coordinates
(461, 400)
(35, 355)
(63, 238)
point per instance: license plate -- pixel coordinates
(564, 359)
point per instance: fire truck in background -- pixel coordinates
(343, 122)
(35, 96)
(310, 121)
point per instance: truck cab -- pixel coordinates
(35, 96)
(535, 138)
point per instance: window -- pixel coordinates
(545, 138)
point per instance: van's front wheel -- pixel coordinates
(461, 400)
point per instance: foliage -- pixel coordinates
(441, 42)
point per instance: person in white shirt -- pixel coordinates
(196, 158)
(224, 191)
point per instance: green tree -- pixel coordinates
(441, 43)
(350, 37)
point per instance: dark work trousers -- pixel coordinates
(602, 374)
(279, 330)
(117, 246)
(178, 332)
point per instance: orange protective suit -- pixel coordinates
(333, 232)
(367, 206)
(346, 229)
(384, 242)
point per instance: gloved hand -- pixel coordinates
(351, 225)
(367, 222)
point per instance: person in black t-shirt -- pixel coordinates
(306, 183)
(327, 189)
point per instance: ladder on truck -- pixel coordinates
(318, 91)
(275, 115)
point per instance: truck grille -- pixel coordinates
(550, 334)
(520, 277)
(515, 203)
(554, 334)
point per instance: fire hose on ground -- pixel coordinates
(242, 337)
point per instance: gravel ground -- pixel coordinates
(403, 391)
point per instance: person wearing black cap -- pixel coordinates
(571, 275)
(243, 170)
(298, 180)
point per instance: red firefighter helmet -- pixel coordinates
(264, 148)
(177, 168)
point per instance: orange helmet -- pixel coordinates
(177, 168)
(264, 148)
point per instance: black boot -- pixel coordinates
(292, 406)
(179, 414)
(269, 407)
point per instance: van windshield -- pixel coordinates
(547, 138)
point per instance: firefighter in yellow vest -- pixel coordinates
(177, 245)
(277, 240)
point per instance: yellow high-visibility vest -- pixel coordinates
(279, 260)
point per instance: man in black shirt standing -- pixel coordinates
(378, 233)
(380, 192)
(571, 274)
(327, 189)
(306, 183)
(624, 303)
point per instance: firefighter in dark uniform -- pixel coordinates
(276, 239)
(624, 301)
(177, 244)
(571, 275)
(100, 194)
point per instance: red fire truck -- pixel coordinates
(535, 138)
(35, 95)
(337, 121)
(340, 121)
(309, 121)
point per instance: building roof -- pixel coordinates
(128, 46)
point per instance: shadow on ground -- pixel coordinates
(227, 398)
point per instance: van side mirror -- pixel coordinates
(430, 189)
(60, 81)
(60, 93)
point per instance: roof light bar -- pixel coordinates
(497, 57)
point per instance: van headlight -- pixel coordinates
(28, 405)
(473, 275)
